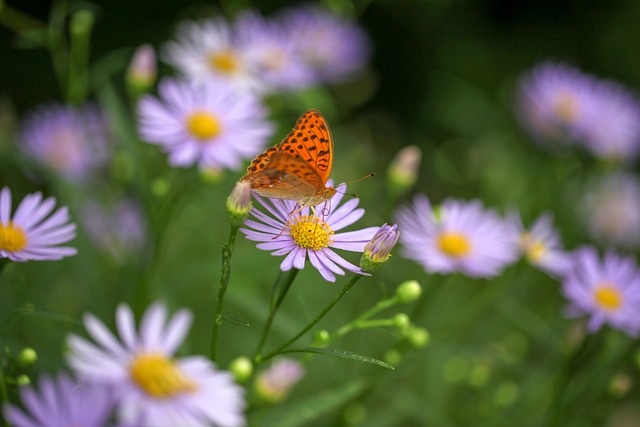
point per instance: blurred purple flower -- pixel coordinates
(275, 383)
(119, 230)
(540, 244)
(31, 233)
(607, 290)
(72, 142)
(457, 236)
(306, 233)
(335, 48)
(557, 102)
(62, 402)
(612, 210)
(204, 123)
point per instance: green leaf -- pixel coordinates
(234, 321)
(303, 412)
(345, 354)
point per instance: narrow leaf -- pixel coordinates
(345, 354)
(234, 321)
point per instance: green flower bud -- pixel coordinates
(239, 203)
(401, 321)
(418, 337)
(142, 71)
(23, 380)
(241, 368)
(27, 357)
(409, 291)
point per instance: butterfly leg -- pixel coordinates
(294, 211)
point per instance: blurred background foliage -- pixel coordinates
(442, 77)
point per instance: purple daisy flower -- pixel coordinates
(72, 142)
(333, 47)
(457, 236)
(62, 402)
(305, 233)
(154, 388)
(204, 123)
(607, 290)
(210, 49)
(612, 210)
(541, 244)
(29, 234)
(273, 53)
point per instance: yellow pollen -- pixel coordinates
(310, 232)
(225, 62)
(534, 249)
(608, 297)
(566, 107)
(12, 237)
(158, 376)
(454, 244)
(203, 126)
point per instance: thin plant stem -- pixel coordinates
(227, 253)
(4, 395)
(359, 321)
(280, 290)
(319, 317)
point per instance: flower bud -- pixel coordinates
(401, 321)
(142, 71)
(239, 203)
(377, 251)
(408, 291)
(417, 337)
(23, 380)
(27, 357)
(241, 368)
(402, 173)
(275, 383)
(321, 338)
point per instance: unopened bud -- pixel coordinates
(401, 321)
(27, 357)
(275, 383)
(402, 173)
(142, 71)
(241, 368)
(378, 250)
(409, 291)
(239, 203)
(418, 337)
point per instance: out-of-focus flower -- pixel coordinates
(210, 49)
(273, 54)
(378, 250)
(62, 402)
(306, 233)
(334, 48)
(557, 102)
(154, 388)
(275, 383)
(119, 230)
(461, 236)
(612, 210)
(72, 142)
(541, 244)
(204, 123)
(142, 71)
(607, 290)
(402, 173)
(31, 234)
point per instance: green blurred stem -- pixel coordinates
(19, 22)
(80, 45)
(4, 396)
(227, 253)
(3, 263)
(362, 320)
(319, 317)
(280, 290)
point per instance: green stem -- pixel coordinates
(279, 291)
(3, 263)
(333, 302)
(360, 320)
(227, 253)
(4, 395)
(81, 27)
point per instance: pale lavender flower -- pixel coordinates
(204, 123)
(62, 402)
(612, 210)
(71, 142)
(273, 53)
(210, 49)
(457, 236)
(540, 244)
(154, 388)
(301, 233)
(335, 48)
(31, 233)
(275, 383)
(557, 102)
(142, 70)
(118, 230)
(607, 290)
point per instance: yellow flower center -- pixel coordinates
(225, 62)
(203, 126)
(310, 232)
(566, 107)
(454, 244)
(608, 297)
(12, 237)
(158, 376)
(533, 249)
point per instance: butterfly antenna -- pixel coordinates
(351, 182)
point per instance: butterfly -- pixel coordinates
(297, 168)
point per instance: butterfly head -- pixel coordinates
(320, 197)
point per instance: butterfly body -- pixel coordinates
(297, 168)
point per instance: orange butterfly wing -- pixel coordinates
(297, 168)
